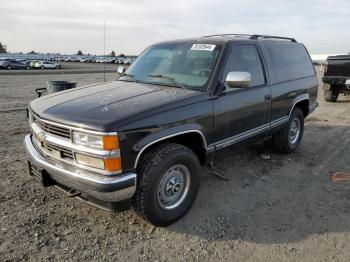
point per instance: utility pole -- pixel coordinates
(104, 50)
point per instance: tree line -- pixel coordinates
(112, 54)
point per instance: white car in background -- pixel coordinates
(47, 65)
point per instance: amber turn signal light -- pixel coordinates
(113, 164)
(110, 142)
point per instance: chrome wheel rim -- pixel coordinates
(294, 130)
(173, 187)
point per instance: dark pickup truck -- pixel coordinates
(336, 79)
(145, 137)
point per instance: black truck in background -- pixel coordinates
(336, 79)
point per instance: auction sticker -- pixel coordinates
(203, 47)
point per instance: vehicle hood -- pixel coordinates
(98, 106)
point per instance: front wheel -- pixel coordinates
(288, 139)
(168, 184)
(9, 67)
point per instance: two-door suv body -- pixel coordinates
(144, 137)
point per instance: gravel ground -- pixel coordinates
(273, 208)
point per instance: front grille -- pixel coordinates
(52, 129)
(54, 150)
(64, 153)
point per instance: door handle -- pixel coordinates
(267, 97)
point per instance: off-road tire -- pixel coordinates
(331, 95)
(281, 139)
(150, 171)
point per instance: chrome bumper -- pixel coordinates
(102, 187)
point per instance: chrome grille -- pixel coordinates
(64, 153)
(55, 150)
(52, 129)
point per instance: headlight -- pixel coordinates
(108, 142)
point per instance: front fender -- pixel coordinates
(164, 134)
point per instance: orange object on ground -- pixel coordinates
(340, 176)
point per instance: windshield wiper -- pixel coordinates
(128, 75)
(173, 81)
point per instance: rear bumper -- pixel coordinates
(102, 187)
(333, 80)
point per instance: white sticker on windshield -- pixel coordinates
(203, 47)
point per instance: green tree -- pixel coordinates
(112, 54)
(32, 52)
(79, 52)
(122, 55)
(3, 48)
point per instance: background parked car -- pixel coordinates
(12, 64)
(47, 65)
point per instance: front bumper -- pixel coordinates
(101, 187)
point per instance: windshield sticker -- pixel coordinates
(203, 47)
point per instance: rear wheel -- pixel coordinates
(168, 184)
(288, 139)
(331, 95)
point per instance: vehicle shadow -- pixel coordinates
(274, 198)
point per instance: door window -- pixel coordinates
(245, 58)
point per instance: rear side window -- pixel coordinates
(289, 61)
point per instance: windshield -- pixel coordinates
(184, 65)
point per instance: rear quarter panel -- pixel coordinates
(286, 94)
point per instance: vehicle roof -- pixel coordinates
(338, 57)
(223, 38)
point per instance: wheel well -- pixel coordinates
(192, 140)
(304, 106)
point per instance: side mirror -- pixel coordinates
(121, 69)
(238, 79)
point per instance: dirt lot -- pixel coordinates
(280, 209)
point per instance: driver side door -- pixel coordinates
(241, 113)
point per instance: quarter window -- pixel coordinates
(290, 61)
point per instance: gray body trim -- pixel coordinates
(230, 140)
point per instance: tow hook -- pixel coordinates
(74, 193)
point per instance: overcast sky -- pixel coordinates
(69, 25)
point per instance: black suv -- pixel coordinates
(145, 136)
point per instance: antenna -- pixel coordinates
(104, 51)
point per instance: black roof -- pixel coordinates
(339, 57)
(222, 38)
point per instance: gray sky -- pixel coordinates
(69, 25)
